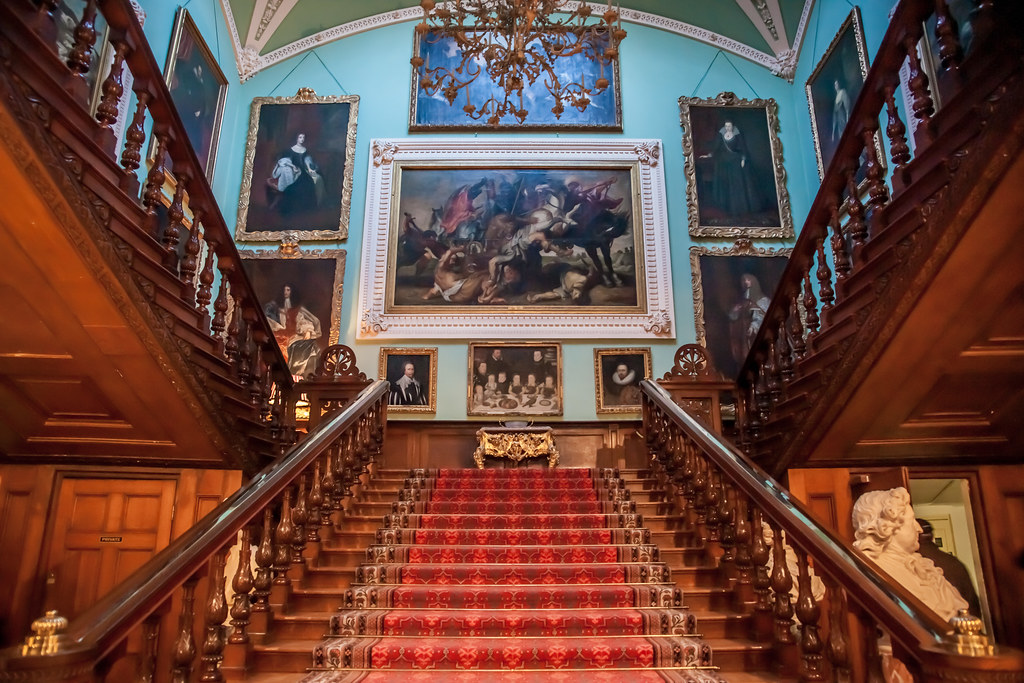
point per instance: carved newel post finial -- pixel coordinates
(969, 637)
(46, 630)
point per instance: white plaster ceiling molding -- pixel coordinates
(766, 16)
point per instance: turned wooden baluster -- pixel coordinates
(220, 306)
(762, 581)
(185, 644)
(134, 138)
(808, 612)
(824, 275)
(216, 613)
(744, 565)
(112, 88)
(921, 100)
(300, 516)
(241, 584)
(878, 193)
(263, 580)
(206, 277)
(80, 58)
(713, 512)
(762, 390)
(727, 535)
(190, 261)
(283, 541)
(268, 391)
(151, 196)
(700, 486)
(327, 484)
(947, 38)
(150, 641)
(838, 650)
(857, 227)
(245, 345)
(259, 373)
(316, 498)
(772, 371)
(175, 223)
(782, 584)
(811, 302)
(896, 131)
(784, 357)
(840, 254)
(752, 414)
(796, 326)
(232, 344)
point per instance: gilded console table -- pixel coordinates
(516, 444)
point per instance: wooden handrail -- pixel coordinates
(916, 631)
(98, 630)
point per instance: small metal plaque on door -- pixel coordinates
(110, 539)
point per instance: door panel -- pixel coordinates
(102, 531)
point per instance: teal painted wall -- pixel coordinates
(657, 68)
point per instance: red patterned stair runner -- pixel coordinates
(517, 575)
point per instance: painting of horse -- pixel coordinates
(533, 237)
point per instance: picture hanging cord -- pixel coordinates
(722, 54)
(301, 61)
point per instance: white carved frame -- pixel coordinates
(656, 317)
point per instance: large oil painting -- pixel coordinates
(297, 176)
(300, 293)
(735, 181)
(198, 88)
(432, 112)
(514, 379)
(732, 289)
(500, 236)
(833, 88)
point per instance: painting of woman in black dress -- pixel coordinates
(298, 168)
(736, 185)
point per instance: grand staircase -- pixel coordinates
(517, 574)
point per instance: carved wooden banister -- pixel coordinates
(355, 432)
(167, 270)
(853, 261)
(857, 592)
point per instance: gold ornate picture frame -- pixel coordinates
(297, 174)
(732, 288)
(617, 376)
(300, 292)
(735, 178)
(412, 373)
(523, 238)
(514, 379)
(832, 90)
(198, 89)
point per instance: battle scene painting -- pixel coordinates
(538, 238)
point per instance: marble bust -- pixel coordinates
(886, 531)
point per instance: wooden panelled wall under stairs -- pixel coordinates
(415, 443)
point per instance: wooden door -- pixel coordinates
(101, 531)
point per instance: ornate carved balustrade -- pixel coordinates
(871, 243)
(269, 525)
(728, 501)
(186, 275)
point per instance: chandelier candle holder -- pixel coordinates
(515, 43)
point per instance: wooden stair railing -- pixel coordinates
(284, 512)
(190, 281)
(870, 244)
(728, 500)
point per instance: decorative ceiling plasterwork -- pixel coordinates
(765, 15)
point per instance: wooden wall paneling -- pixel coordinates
(416, 443)
(998, 506)
(24, 499)
(826, 491)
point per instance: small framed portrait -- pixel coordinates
(297, 175)
(413, 377)
(834, 86)
(430, 110)
(732, 289)
(735, 180)
(522, 379)
(300, 293)
(198, 89)
(618, 373)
